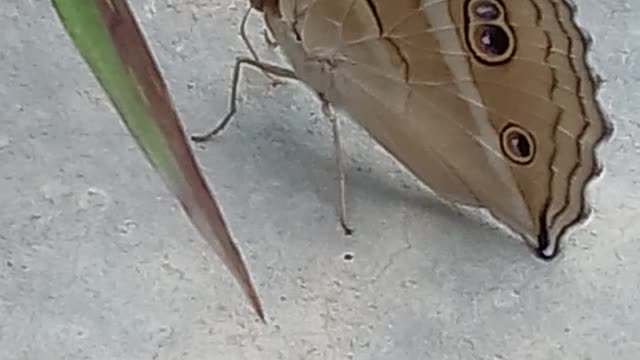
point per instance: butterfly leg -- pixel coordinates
(265, 68)
(270, 43)
(243, 34)
(337, 147)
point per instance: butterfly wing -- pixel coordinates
(489, 103)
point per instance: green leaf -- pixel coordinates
(110, 41)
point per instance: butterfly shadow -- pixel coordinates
(466, 259)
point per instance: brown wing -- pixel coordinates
(489, 103)
(554, 100)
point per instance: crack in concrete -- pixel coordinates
(394, 255)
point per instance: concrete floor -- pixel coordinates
(98, 262)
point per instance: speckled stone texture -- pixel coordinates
(97, 261)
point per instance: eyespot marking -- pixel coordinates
(492, 40)
(518, 144)
(486, 10)
(489, 37)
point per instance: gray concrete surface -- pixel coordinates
(98, 262)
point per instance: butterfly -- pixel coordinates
(489, 103)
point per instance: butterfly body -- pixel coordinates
(490, 103)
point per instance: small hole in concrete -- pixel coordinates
(348, 256)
